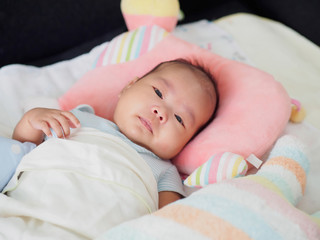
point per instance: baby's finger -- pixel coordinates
(72, 118)
(65, 127)
(44, 127)
(65, 124)
(57, 127)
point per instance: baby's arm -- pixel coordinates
(166, 197)
(37, 122)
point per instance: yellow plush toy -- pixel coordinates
(298, 112)
(163, 13)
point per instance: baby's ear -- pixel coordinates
(129, 84)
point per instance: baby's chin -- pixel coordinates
(142, 144)
(161, 154)
(154, 147)
(166, 155)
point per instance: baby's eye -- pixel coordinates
(157, 91)
(179, 119)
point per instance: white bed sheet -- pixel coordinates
(23, 87)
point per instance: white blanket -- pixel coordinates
(77, 188)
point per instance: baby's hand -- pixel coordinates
(59, 121)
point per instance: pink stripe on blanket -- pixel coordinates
(214, 167)
(203, 222)
(226, 166)
(146, 40)
(101, 57)
(278, 204)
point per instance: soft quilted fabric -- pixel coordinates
(259, 206)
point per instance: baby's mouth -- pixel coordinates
(146, 124)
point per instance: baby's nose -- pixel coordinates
(160, 113)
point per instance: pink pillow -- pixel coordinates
(253, 109)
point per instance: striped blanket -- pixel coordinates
(259, 206)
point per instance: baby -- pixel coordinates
(159, 112)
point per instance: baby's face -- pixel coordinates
(163, 110)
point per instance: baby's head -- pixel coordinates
(165, 108)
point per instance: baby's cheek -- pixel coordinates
(167, 149)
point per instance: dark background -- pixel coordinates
(41, 32)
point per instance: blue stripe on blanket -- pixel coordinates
(238, 215)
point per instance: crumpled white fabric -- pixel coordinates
(76, 188)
